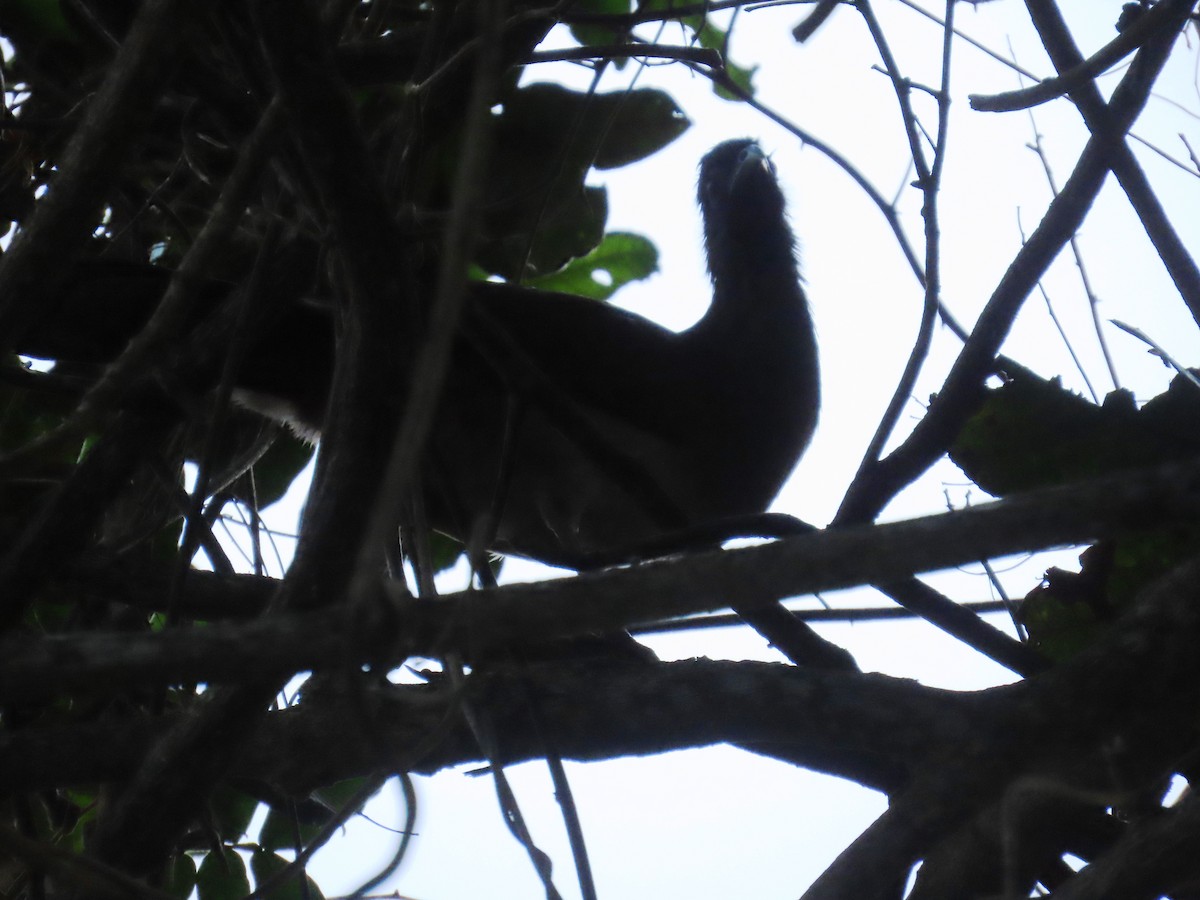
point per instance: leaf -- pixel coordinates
(1061, 615)
(284, 831)
(1030, 432)
(538, 212)
(600, 35)
(222, 876)
(619, 259)
(39, 19)
(627, 126)
(278, 467)
(181, 880)
(711, 37)
(741, 76)
(231, 812)
(608, 130)
(265, 865)
(26, 415)
(86, 810)
(1141, 557)
(542, 241)
(335, 796)
(307, 816)
(446, 551)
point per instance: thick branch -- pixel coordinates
(865, 727)
(1111, 714)
(476, 622)
(1163, 24)
(1079, 75)
(1155, 857)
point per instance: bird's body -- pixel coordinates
(570, 428)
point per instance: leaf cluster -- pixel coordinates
(115, 479)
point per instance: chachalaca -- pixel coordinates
(579, 430)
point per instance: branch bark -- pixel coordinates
(865, 727)
(478, 623)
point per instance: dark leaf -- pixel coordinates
(278, 467)
(628, 126)
(231, 812)
(538, 213)
(26, 415)
(182, 879)
(446, 551)
(39, 20)
(1030, 432)
(284, 831)
(335, 796)
(222, 876)
(590, 35)
(711, 37)
(265, 865)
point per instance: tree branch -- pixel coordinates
(1105, 720)
(865, 727)
(91, 164)
(476, 623)
(877, 484)
(1163, 23)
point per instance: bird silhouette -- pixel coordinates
(568, 429)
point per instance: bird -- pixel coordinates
(569, 430)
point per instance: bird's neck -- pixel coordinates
(756, 291)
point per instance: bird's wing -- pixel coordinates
(601, 356)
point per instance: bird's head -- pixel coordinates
(742, 206)
(738, 175)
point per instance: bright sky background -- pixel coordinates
(721, 823)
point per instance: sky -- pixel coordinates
(719, 822)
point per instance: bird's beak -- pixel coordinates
(753, 162)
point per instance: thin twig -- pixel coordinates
(1128, 41)
(1158, 351)
(1093, 303)
(929, 180)
(849, 614)
(1193, 169)
(699, 55)
(886, 208)
(961, 35)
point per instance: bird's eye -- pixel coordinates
(752, 154)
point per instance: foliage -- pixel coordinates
(394, 151)
(1030, 432)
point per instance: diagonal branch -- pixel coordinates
(1122, 692)
(879, 483)
(1163, 21)
(1080, 74)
